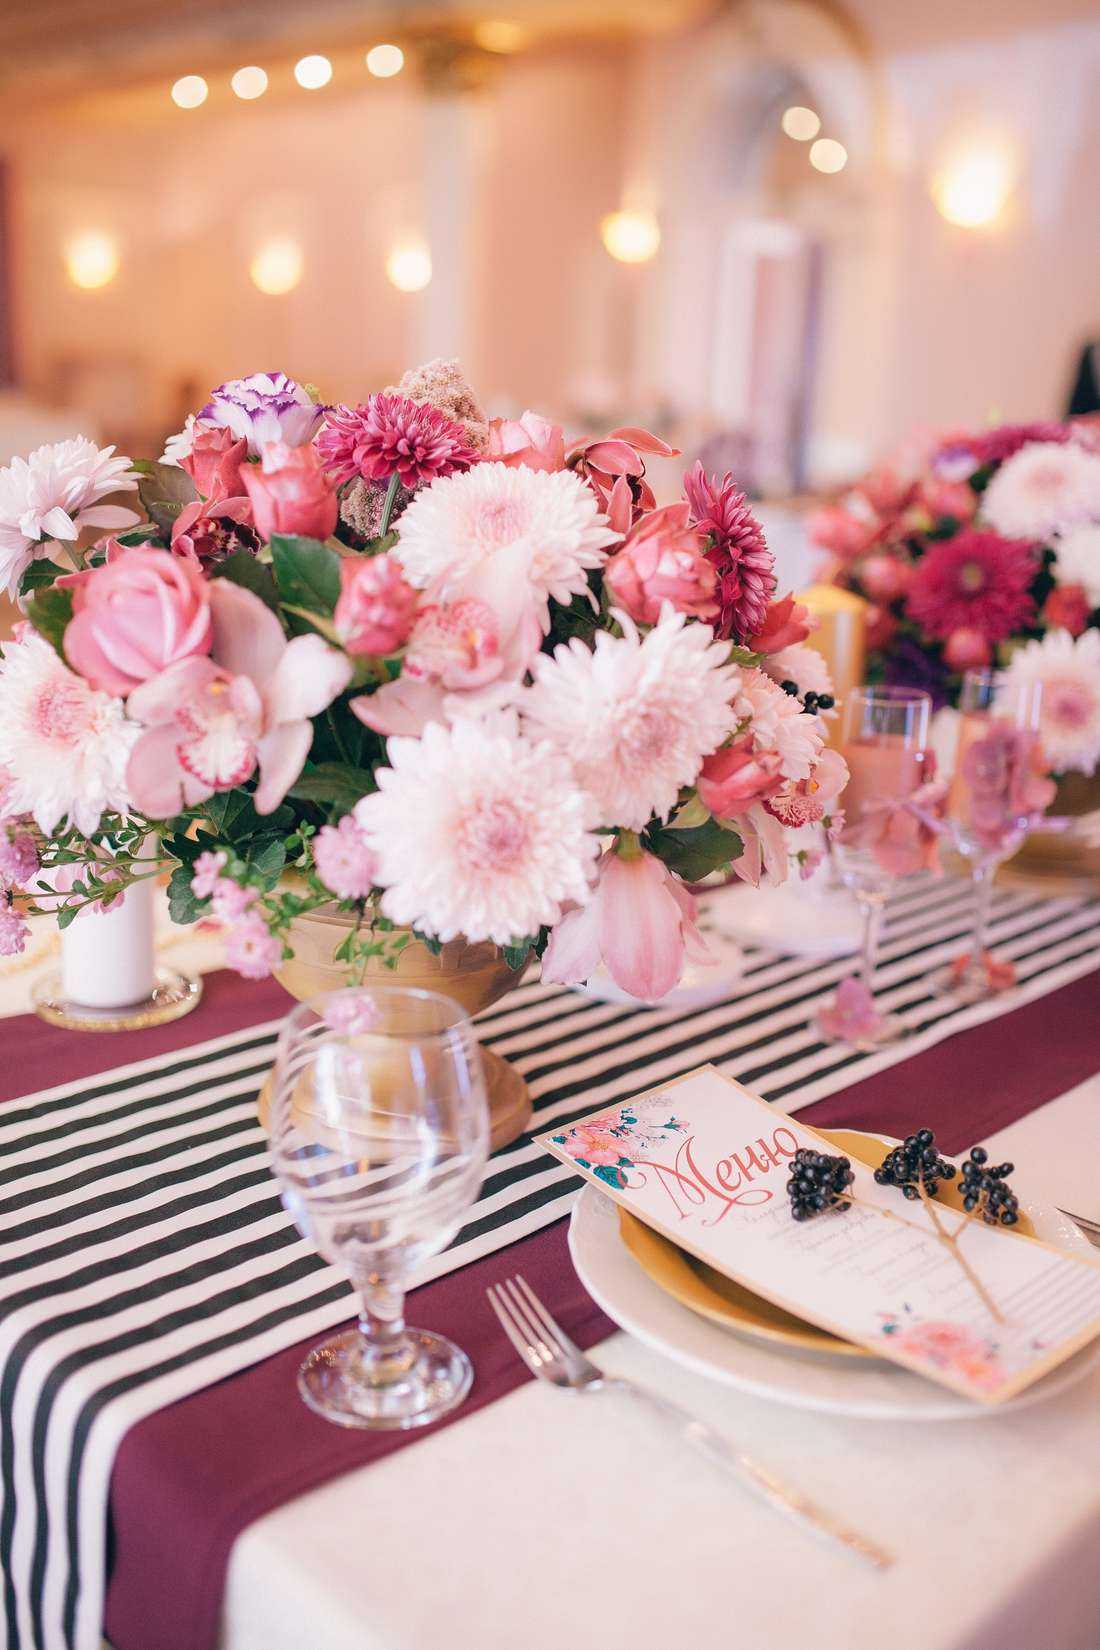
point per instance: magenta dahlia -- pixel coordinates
(389, 435)
(737, 552)
(978, 580)
(994, 446)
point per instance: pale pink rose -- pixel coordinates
(344, 859)
(529, 440)
(884, 577)
(214, 462)
(731, 780)
(290, 492)
(948, 498)
(662, 561)
(135, 616)
(206, 873)
(231, 900)
(639, 922)
(251, 950)
(967, 649)
(785, 623)
(841, 531)
(377, 606)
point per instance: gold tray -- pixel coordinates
(710, 1293)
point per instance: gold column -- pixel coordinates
(839, 637)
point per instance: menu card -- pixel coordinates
(706, 1163)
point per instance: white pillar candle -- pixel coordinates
(107, 958)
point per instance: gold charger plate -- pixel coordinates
(706, 1291)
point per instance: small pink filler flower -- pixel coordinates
(344, 860)
(251, 950)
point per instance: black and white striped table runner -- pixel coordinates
(144, 1252)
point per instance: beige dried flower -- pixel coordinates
(441, 384)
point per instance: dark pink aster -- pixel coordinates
(994, 446)
(388, 435)
(738, 553)
(977, 580)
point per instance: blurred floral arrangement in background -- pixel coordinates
(451, 674)
(983, 549)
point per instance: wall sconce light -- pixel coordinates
(249, 82)
(409, 266)
(972, 189)
(800, 123)
(500, 34)
(277, 266)
(313, 72)
(91, 260)
(827, 155)
(385, 61)
(630, 236)
(189, 91)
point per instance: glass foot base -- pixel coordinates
(173, 996)
(968, 981)
(435, 1380)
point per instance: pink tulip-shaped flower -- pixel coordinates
(639, 922)
(133, 617)
(529, 440)
(291, 493)
(210, 722)
(619, 456)
(662, 561)
(214, 462)
(377, 605)
(785, 623)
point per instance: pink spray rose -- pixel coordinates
(530, 440)
(377, 606)
(731, 780)
(884, 577)
(785, 623)
(290, 492)
(662, 561)
(344, 859)
(214, 462)
(135, 616)
(948, 498)
(1067, 608)
(967, 649)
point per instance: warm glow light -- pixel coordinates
(313, 72)
(189, 92)
(971, 191)
(277, 266)
(800, 124)
(409, 266)
(385, 61)
(91, 260)
(249, 82)
(500, 34)
(632, 237)
(828, 155)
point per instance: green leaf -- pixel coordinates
(268, 858)
(250, 574)
(375, 547)
(307, 572)
(336, 782)
(164, 489)
(38, 574)
(183, 907)
(137, 536)
(67, 914)
(49, 611)
(517, 954)
(695, 853)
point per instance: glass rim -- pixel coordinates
(458, 1016)
(889, 694)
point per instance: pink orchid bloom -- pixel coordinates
(616, 457)
(764, 856)
(210, 722)
(639, 922)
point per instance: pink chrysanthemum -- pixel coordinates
(344, 860)
(977, 580)
(251, 950)
(743, 562)
(387, 435)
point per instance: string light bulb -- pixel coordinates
(313, 72)
(384, 61)
(972, 190)
(189, 91)
(409, 266)
(632, 237)
(277, 266)
(800, 123)
(92, 260)
(249, 82)
(827, 155)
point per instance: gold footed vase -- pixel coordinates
(473, 975)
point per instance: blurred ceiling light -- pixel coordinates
(972, 189)
(91, 260)
(277, 266)
(827, 155)
(313, 72)
(190, 91)
(500, 34)
(385, 61)
(409, 266)
(250, 82)
(631, 237)
(800, 124)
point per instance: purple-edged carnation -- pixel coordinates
(263, 408)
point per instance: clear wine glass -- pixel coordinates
(379, 1135)
(997, 794)
(885, 744)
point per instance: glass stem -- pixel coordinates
(982, 877)
(871, 907)
(386, 1350)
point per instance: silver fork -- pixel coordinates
(549, 1353)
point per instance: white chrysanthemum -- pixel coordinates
(63, 746)
(1078, 553)
(543, 523)
(637, 716)
(1045, 487)
(803, 665)
(54, 494)
(180, 446)
(478, 831)
(1069, 672)
(777, 722)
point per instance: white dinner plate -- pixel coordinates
(871, 1390)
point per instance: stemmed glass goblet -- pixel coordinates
(379, 1134)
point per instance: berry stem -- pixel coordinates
(951, 1239)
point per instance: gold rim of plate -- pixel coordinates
(712, 1295)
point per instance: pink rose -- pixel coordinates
(881, 627)
(1067, 608)
(967, 649)
(785, 623)
(841, 531)
(290, 492)
(530, 440)
(135, 616)
(883, 577)
(377, 606)
(214, 463)
(731, 780)
(662, 561)
(948, 498)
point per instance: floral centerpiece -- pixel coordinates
(979, 549)
(443, 673)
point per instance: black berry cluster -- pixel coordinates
(813, 702)
(818, 1182)
(915, 1164)
(983, 1188)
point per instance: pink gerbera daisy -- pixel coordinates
(977, 580)
(738, 553)
(389, 435)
